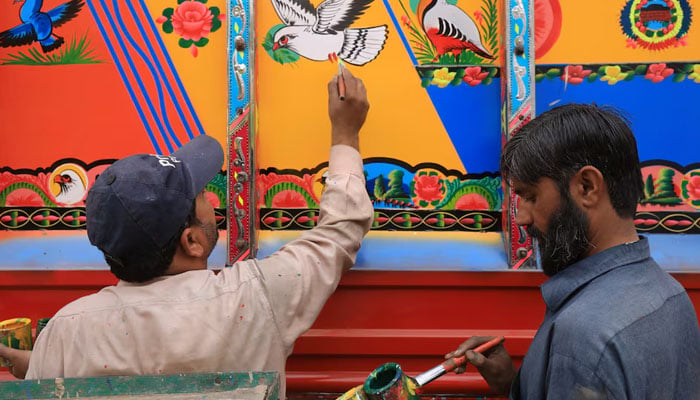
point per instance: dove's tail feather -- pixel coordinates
(363, 45)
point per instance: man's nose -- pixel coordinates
(523, 216)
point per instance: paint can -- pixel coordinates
(40, 325)
(15, 333)
(355, 393)
(388, 382)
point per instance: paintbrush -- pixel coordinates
(341, 81)
(447, 366)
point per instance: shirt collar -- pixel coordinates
(558, 288)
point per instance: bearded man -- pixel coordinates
(616, 325)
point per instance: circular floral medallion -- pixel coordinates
(656, 24)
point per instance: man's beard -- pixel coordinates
(566, 240)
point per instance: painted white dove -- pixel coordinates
(323, 33)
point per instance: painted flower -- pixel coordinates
(695, 75)
(575, 74)
(428, 187)
(658, 72)
(442, 77)
(473, 76)
(192, 20)
(613, 74)
(405, 20)
(691, 188)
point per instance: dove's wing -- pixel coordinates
(295, 12)
(17, 36)
(337, 15)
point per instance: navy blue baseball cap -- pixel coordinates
(140, 202)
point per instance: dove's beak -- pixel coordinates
(275, 46)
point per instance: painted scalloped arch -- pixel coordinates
(24, 185)
(278, 188)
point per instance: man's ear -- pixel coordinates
(191, 243)
(588, 186)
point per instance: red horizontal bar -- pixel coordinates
(401, 342)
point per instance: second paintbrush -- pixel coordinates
(447, 366)
(341, 81)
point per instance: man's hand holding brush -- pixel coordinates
(495, 364)
(349, 113)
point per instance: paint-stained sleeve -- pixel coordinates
(301, 276)
(47, 358)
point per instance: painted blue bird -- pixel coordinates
(37, 26)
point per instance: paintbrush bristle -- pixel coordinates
(430, 375)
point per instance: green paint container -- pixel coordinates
(40, 324)
(388, 382)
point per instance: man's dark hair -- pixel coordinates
(142, 267)
(563, 140)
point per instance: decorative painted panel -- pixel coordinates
(110, 79)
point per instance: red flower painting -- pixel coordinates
(473, 76)
(429, 188)
(193, 22)
(658, 72)
(575, 74)
(692, 188)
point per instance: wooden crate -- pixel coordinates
(210, 386)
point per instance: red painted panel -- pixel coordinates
(374, 317)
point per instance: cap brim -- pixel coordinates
(203, 156)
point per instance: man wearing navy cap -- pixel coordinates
(168, 314)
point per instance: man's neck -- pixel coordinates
(182, 263)
(614, 232)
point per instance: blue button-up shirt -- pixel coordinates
(616, 327)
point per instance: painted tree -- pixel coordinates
(648, 187)
(379, 188)
(396, 186)
(664, 184)
(663, 191)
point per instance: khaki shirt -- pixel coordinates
(244, 318)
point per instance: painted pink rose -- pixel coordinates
(473, 76)
(575, 74)
(658, 72)
(192, 20)
(428, 187)
(693, 187)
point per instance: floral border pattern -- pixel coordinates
(615, 73)
(471, 75)
(393, 184)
